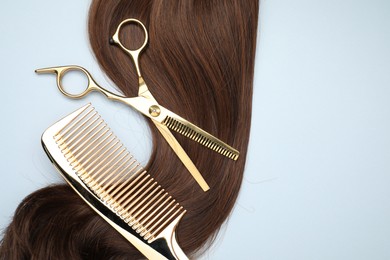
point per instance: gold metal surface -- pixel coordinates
(178, 149)
(195, 133)
(134, 54)
(146, 104)
(101, 170)
(154, 111)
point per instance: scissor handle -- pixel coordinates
(134, 54)
(60, 73)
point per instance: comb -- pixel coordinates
(193, 132)
(107, 177)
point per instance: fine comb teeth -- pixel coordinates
(195, 133)
(89, 155)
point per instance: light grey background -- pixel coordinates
(317, 181)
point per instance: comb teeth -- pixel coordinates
(202, 137)
(105, 166)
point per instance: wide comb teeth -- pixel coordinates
(104, 165)
(193, 132)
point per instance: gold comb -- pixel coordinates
(101, 170)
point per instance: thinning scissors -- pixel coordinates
(146, 104)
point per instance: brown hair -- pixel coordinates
(199, 64)
(55, 223)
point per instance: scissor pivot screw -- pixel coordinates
(154, 110)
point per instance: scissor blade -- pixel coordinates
(147, 105)
(182, 126)
(182, 155)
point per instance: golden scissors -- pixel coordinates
(146, 104)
